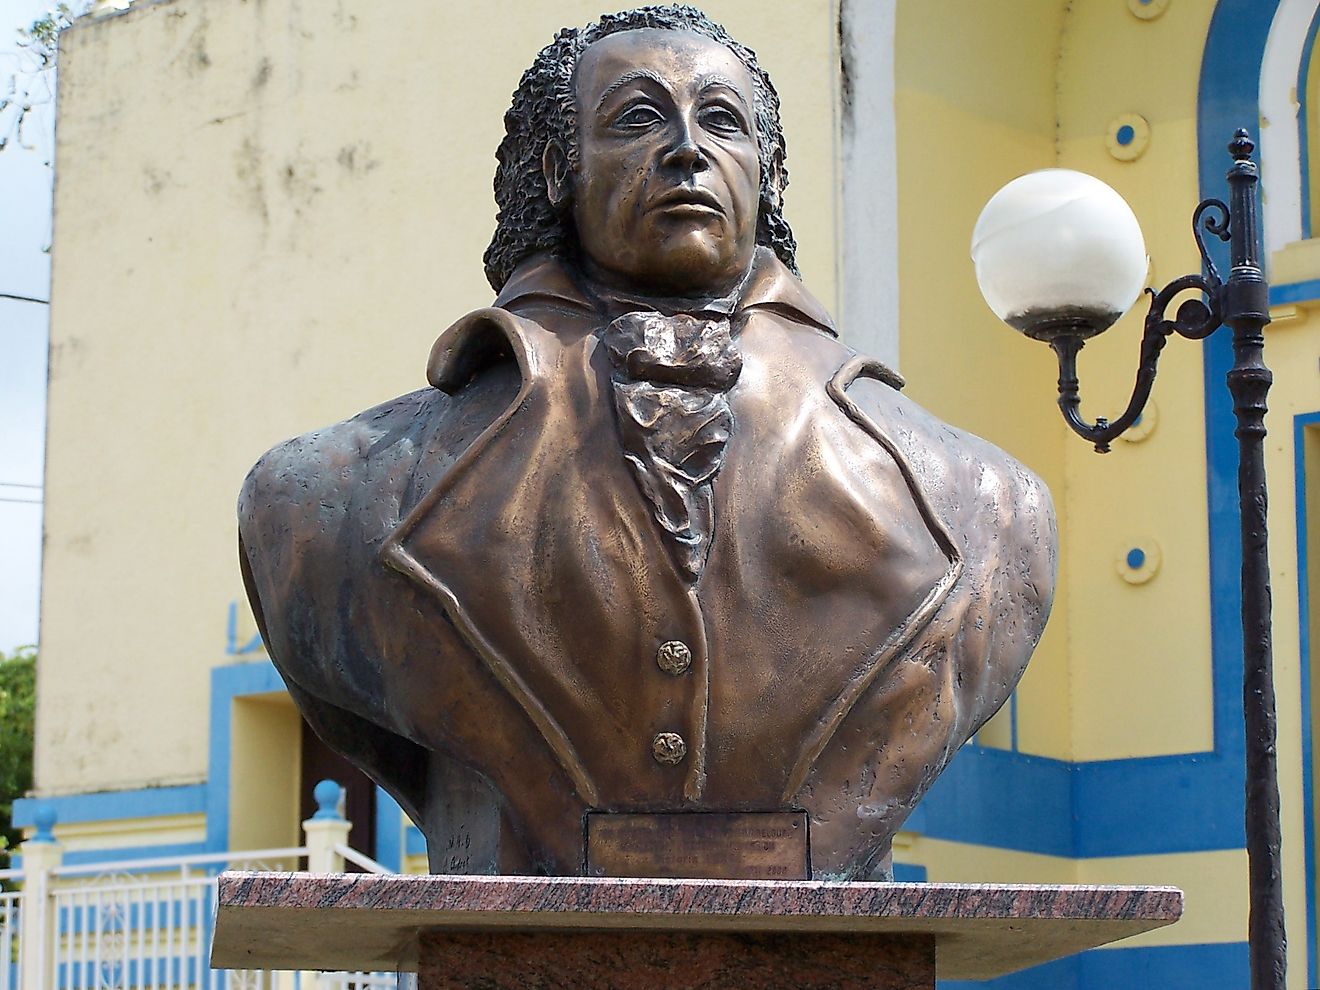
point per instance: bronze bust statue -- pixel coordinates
(654, 540)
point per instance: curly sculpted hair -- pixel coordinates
(544, 112)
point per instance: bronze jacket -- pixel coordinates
(468, 594)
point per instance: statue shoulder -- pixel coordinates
(995, 502)
(323, 470)
(374, 465)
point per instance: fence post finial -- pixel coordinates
(326, 829)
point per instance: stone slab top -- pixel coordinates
(372, 922)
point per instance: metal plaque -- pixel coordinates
(699, 845)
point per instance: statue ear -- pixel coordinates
(558, 176)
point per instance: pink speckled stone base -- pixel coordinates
(674, 961)
(587, 932)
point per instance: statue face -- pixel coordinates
(666, 193)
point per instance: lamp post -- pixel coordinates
(1059, 256)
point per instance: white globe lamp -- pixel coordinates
(1059, 252)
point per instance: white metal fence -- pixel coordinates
(145, 924)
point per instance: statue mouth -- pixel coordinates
(688, 199)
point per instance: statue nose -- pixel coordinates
(685, 153)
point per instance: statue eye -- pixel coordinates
(722, 120)
(638, 116)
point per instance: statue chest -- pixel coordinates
(654, 687)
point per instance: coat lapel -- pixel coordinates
(438, 546)
(455, 356)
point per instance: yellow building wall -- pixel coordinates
(265, 214)
(1141, 653)
(1149, 494)
(975, 107)
(988, 92)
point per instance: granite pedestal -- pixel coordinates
(587, 933)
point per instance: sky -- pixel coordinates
(25, 211)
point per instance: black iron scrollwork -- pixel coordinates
(1202, 224)
(1194, 319)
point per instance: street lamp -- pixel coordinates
(1059, 256)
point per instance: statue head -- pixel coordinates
(646, 148)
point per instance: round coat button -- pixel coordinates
(674, 657)
(668, 748)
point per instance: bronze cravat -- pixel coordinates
(671, 379)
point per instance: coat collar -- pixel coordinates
(545, 278)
